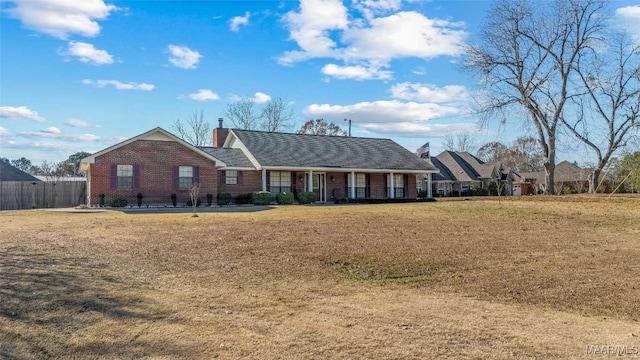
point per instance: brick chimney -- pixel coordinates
(219, 134)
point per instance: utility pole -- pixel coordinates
(349, 120)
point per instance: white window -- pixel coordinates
(279, 181)
(231, 177)
(361, 185)
(125, 177)
(398, 185)
(185, 177)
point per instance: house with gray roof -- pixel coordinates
(158, 164)
(460, 172)
(569, 178)
(9, 172)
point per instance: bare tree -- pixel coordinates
(528, 54)
(463, 142)
(195, 130)
(50, 170)
(242, 114)
(276, 115)
(193, 193)
(609, 113)
(492, 152)
(321, 127)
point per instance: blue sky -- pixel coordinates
(84, 75)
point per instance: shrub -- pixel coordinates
(139, 198)
(284, 198)
(476, 192)
(190, 203)
(101, 199)
(306, 197)
(422, 194)
(261, 198)
(209, 199)
(119, 202)
(174, 200)
(224, 198)
(244, 198)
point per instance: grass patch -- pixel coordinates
(530, 278)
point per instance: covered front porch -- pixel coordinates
(330, 185)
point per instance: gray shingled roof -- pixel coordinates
(460, 169)
(564, 171)
(273, 149)
(445, 174)
(11, 173)
(231, 157)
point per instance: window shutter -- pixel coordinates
(268, 180)
(176, 177)
(136, 176)
(113, 177)
(406, 184)
(196, 175)
(367, 182)
(223, 177)
(386, 185)
(239, 177)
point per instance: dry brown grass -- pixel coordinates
(528, 278)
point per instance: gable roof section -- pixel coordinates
(286, 150)
(445, 174)
(157, 134)
(233, 158)
(9, 172)
(458, 167)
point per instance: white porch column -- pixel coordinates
(352, 195)
(392, 187)
(429, 195)
(264, 180)
(310, 182)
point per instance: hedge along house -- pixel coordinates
(158, 164)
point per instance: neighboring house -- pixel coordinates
(158, 164)
(9, 172)
(53, 178)
(461, 172)
(568, 178)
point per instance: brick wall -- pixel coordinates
(156, 160)
(251, 181)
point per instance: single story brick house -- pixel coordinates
(158, 164)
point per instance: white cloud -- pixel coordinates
(310, 27)
(76, 123)
(87, 53)
(51, 130)
(358, 72)
(419, 129)
(119, 85)
(430, 93)
(371, 8)
(51, 133)
(204, 95)
(630, 16)
(260, 98)
(20, 112)
(237, 21)
(405, 34)
(325, 29)
(382, 111)
(61, 18)
(183, 57)
(4, 131)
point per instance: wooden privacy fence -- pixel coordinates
(17, 195)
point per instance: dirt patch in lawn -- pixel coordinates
(465, 279)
